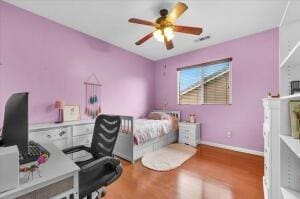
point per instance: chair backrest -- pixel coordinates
(105, 134)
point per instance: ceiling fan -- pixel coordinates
(165, 26)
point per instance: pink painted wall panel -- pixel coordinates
(51, 62)
(255, 72)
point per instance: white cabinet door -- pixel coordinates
(61, 137)
(61, 144)
(83, 129)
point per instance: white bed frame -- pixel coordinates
(125, 147)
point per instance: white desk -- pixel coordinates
(64, 135)
(58, 171)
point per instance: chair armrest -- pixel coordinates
(76, 149)
(107, 160)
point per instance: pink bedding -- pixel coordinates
(144, 129)
(156, 125)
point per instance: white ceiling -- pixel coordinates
(223, 20)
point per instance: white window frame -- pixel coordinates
(202, 86)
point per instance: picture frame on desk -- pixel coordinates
(71, 113)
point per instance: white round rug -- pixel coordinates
(169, 157)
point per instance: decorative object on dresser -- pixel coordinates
(169, 157)
(189, 133)
(71, 113)
(59, 105)
(92, 96)
(192, 118)
(140, 136)
(294, 107)
(270, 95)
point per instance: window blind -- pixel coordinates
(208, 83)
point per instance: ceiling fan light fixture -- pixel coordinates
(168, 32)
(165, 26)
(158, 35)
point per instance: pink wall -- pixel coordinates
(52, 61)
(254, 73)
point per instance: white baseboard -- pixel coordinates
(233, 148)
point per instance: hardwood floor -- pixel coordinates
(212, 173)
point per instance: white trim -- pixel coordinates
(233, 148)
(284, 13)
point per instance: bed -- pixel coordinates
(135, 140)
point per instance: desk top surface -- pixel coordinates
(58, 167)
(41, 126)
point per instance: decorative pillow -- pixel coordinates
(154, 116)
(165, 116)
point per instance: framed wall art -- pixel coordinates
(71, 113)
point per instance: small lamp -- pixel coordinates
(59, 105)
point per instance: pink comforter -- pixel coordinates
(145, 129)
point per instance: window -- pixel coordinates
(208, 83)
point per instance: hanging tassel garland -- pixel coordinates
(92, 91)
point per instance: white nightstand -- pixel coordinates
(189, 133)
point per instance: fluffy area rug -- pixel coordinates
(169, 157)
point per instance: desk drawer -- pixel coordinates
(83, 129)
(61, 144)
(49, 135)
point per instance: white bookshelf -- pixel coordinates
(291, 97)
(292, 143)
(289, 156)
(293, 56)
(290, 194)
(291, 13)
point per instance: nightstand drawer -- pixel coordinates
(187, 128)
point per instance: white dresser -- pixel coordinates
(65, 135)
(271, 132)
(189, 133)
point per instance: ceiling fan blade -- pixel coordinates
(143, 22)
(144, 39)
(188, 30)
(176, 12)
(169, 43)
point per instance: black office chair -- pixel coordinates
(103, 168)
